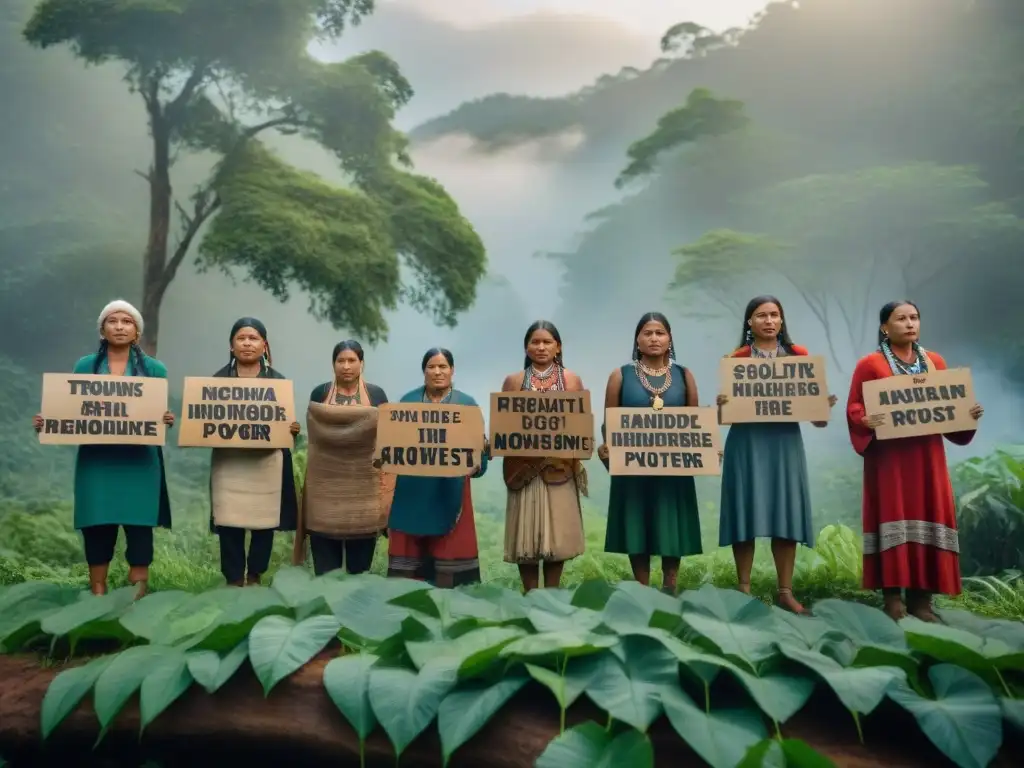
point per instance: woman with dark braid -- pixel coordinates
(345, 500)
(432, 528)
(251, 489)
(910, 536)
(543, 516)
(120, 485)
(652, 515)
(765, 488)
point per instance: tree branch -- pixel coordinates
(203, 208)
(176, 106)
(820, 311)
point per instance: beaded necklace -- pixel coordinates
(900, 368)
(767, 354)
(342, 399)
(642, 372)
(538, 382)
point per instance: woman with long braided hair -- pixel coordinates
(251, 489)
(543, 516)
(765, 486)
(652, 515)
(120, 486)
(910, 536)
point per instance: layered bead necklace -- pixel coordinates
(900, 368)
(767, 354)
(551, 378)
(643, 371)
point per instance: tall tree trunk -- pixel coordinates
(154, 270)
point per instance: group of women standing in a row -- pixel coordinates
(347, 503)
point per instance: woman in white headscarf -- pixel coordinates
(120, 486)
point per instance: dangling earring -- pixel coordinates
(750, 336)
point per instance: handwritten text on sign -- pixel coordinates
(673, 441)
(934, 403)
(429, 439)
(232, 413)
(558, 425)
(86, 409)
(780, 389)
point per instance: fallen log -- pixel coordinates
(298, 722)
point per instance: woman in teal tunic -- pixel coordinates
(432, 531)
(120, 485)
(652, 515)
(765, 490)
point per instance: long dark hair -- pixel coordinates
(434, 352)
(886, 312)
(136, 359)
(747, 335)
(653, 317)
(543, 325)
(349, 344)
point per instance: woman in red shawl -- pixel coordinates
(910, 537)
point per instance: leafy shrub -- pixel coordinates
(412, 655)
(991, 511)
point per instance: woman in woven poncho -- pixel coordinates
(251, 489)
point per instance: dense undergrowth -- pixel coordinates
(409, 656)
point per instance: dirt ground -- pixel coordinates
(298, 722)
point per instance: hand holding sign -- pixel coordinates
(912, 405)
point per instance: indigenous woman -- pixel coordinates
(910, 536)
(543, 517)
(431, 530)
(120, 485)
(765, 489)
(652, 515)
(345, 499)
(251, 489)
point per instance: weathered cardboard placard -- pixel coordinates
(933, 403)
(779, 389)
(95, 409)
(429, 439)
(236, 413)
(557, 425)
(672, 441)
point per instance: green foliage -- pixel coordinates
(414, 655)
(990, 518)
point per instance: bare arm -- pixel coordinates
(512, 382)
(691, 389)
(612, 397)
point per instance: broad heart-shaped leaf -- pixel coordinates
(1013, 713)
(1009, 632)
(278, 646)
(405, 702)
(466, 710)
(211, 670)
(740, 626)
(558, 644)
(487, 605)
(592, 746)
(862, 624)
(243, 609)
(788, 753)
(568, 687)
(960, 647)
(702, 665)
(23, 606)
(722, 737)
(67, 690)
(347, 680)
(145, 615)
(631, 691)
(860, 689)
(470, 653)
(593, 594)
(964, 720)
(88, 609)
(633, 605)
(167, 679)
(368, 613)
(551, 611)
(295, 585)
(122, 678)
(807, 631)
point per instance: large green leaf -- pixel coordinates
(961, 647)
(549, 612)
(405, 702)
(722, 737)
(485, 605)
(368, 613)
(143, 619)
(592, 746)
(23, 606)
(243, 609)
(630, 691)
(860, 689)
(167, 679)
(1009, 632)
(807, 631)
(67, 690)
(122, 678)
(347, 680)
(91, 616)
(593, 594)
(466, 710)
(963, 720)
(296, 586)
(569, 686)
(470, 653)
(558, 644)
(211, 670)
(634, 605)
(701, 664)
(1013, 713)
(787, 753)
(738, 625)
(278, 646)
(864, 625)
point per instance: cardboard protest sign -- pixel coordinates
(88, 409)
(777, 389)
(557, 425)
(672, 441)
(429, 439)
(932, 403)
(236, 413)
